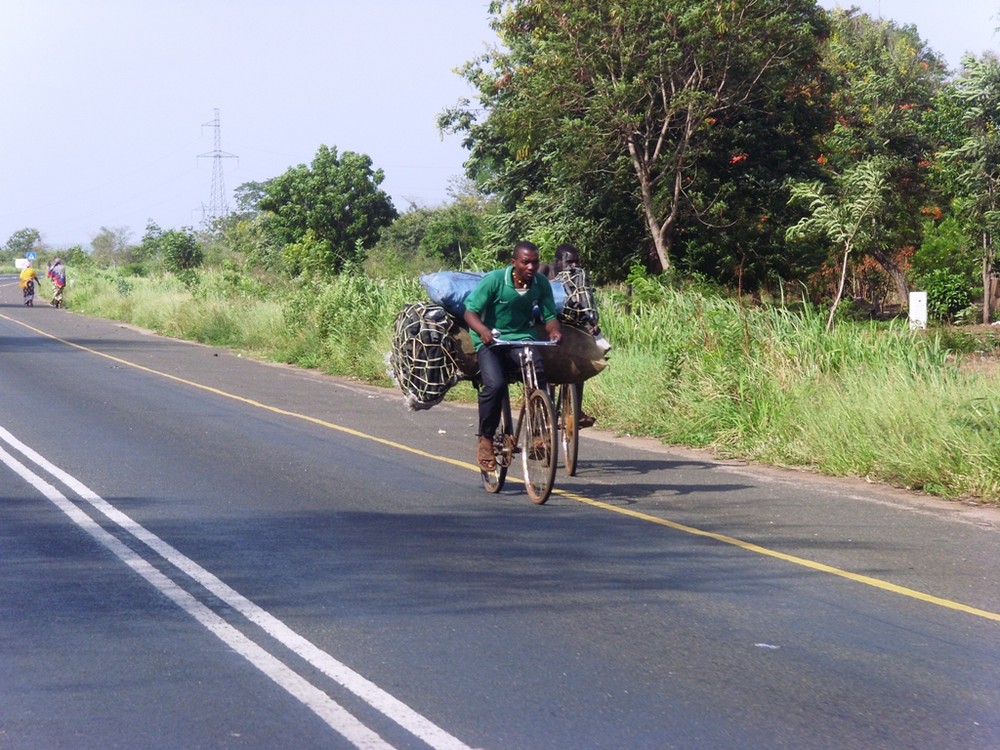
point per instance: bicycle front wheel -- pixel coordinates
(569, 425)
(540, 449)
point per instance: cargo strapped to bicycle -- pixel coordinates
(422, 360)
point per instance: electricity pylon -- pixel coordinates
(219, 206)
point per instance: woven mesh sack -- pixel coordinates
(422, 360)
(579, 309)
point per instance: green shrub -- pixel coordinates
(948, 293)
(133, 269)
(945, 246)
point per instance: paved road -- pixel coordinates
(201, 551)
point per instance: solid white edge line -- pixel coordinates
(387, 704)
(334, 715)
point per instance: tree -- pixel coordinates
(883, 83)
(847, 217)
(397, 251)
(976, 94)
(251, 239)
(453, 231)
(111, 245)
(596, 92)
(732, 228)
(180, 250)
(404, 235)
(74, 256)
(22, 242)
(149, 249)
(330, 211)
(248, 197)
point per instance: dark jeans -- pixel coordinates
(497, 368)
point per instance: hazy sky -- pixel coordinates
(105, 105)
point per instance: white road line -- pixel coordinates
(368, 691)
(313, 698)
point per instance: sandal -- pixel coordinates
(484, 454)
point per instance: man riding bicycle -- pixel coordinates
(567, 259)
(503, 301)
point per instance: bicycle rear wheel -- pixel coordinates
(503, 452)
(569, 425)
(540, 450)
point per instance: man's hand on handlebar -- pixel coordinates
(476, 324)
(552, 328)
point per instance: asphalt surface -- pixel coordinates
(200, 550)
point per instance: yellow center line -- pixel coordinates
(722, 538)
(800, 561)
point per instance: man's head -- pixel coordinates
(525, 261)
(567, 256)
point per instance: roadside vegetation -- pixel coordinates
(766, 383)
(756, 188)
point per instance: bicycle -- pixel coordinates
(536, 421)
(567, 405)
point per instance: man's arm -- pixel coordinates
(474, 322)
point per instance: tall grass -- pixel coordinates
(343, 326)
(203, 309)
(764, 383)
(868, 400)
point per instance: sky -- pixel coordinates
(107, 107)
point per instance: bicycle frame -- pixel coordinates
(536, 421)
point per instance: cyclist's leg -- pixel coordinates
(492, 393)
(586, 420)
(493, 390)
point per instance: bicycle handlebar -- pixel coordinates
(525, 342)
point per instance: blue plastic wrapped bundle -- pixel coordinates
(450, 288)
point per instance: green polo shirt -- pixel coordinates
(500, 306)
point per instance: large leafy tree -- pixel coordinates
(596, 213)
(883, 83)
(329, 213)
(733, 229)
(975, 161)
(21, 241)
(533, 197)
(599, 94)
